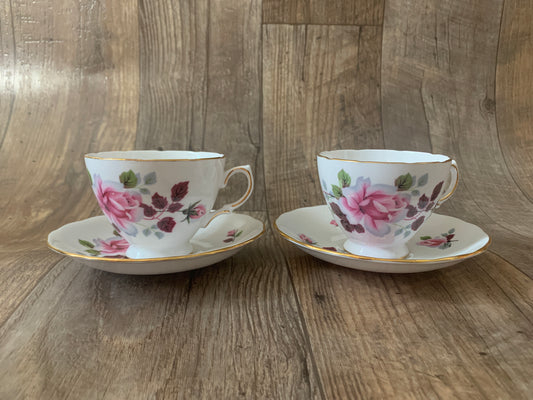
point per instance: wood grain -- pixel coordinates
(231, 331)
(514, 80)
(358, 12)
(201, 73)
(320, 92)
(438, 75)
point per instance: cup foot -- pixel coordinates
(396, 252)
(139, 252)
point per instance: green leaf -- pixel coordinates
(404, 182)
(93, 252)
(147, 232)
(423, 180)
(407, 233)
(86, 243)
(150, 179)
(337, 191)
(415, 193)
(144, 191)
(90, 177)
(444, 234)
(116, 233)
(159, 235)
(398, 232)
(238, 234)
(128, 179)
(451, 231)
(425, 237)
(344, 178)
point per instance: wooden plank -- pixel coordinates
(514, 80)
(359, 12)
(7, 66)
(200, 86)
(321, 91)
(458, 333)
(438, 73)
(77, 91)
(227, 331)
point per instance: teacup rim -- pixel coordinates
(323, 154)
(114, 155)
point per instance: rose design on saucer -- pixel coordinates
(380, 209)
(114, 246)
(444, 241)
(123, 204)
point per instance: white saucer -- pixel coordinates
(222, 238)
(441, 242)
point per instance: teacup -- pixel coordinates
(157, 200)
(381, 198)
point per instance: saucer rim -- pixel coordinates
(377, 259)
(155, 259)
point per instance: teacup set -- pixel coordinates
(378, 216)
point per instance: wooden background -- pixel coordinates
(270, 83)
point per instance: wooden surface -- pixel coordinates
(270, 83)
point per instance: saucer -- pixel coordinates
(93, 242)
(441, 242)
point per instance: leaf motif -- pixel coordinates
(93, 252)
(144, 191)
(238, 234)
(147, 232)
(159, 235)
(436, 190)
(159, 202)
(451, 231)
(425, 237)
(176, 206)
(86, 243)
(179, 191)
(344, 178)
(116, 233)
(337, 191)
(415, 193)
(407, 233)
(90, 177)
(404, 182)
(423, 180)
(150, 179)
(398, 232)
(128, 179)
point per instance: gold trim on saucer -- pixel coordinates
(136, 260)
(390, 260)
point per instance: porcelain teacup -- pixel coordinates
(157, 200)
(380, 198)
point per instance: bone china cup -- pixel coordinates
(157, 200)
(381, 198)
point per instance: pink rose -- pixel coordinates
(121, 207)
(306, 239)
(435, 242)
(233, 232)
(198, 211)
(375, 206)
(112, 247)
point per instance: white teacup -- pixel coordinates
(380, 198)
(157, 200)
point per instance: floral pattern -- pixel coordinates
(113, 247)
(232, 235)
(381, 209)
(444, 241)
(306, 239)
(125, 206)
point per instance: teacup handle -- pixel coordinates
(226, 208)
(454, 172)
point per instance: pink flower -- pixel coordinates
(121, 207)
(435, 242)
(198, 211)
(233, 232)
(112, 247)
(306, 239)
(333, 222)
(375, 206)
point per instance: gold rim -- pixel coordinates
(250, 184)
(390, 260)
(387, 162)
(221, 156)
(443, 199)
(137, 260)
